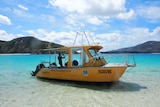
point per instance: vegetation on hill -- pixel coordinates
(25, 45)
(147, 47)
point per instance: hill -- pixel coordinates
(25, 45)
(1, 44)
(147, 47)
(33, 45)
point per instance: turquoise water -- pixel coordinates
(138, 86)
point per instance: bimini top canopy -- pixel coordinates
(85, 47)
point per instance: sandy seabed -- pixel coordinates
(129, 91)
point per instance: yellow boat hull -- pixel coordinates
(87, 74)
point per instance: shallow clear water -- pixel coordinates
(138, 86)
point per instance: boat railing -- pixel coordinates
(46, 63)
(95, 58)
(121, 59)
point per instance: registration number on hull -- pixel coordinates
(105, 71)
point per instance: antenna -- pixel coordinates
(75, 38)
(85, 37)
(92, 38)
(49, 46)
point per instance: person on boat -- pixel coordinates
(60, 59)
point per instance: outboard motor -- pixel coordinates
(39, 66)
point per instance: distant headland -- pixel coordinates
(147, 47)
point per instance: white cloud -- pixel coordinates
(156, 32)
(95, 21)
(149, 12)
(71, 19)
(94, 11)
(22, 7)
(126, 15)
(131, 37)
(92, 7)
(109, 41)
(4, 20)
(8, 36)
(74, 22)
(70, 5)
(48, 17)
(22, 13)
(140, 35)
(5, 36)
(64, 38)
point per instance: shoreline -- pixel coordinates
(15, 54)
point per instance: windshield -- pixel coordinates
(93, 52)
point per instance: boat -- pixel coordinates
(81, 63)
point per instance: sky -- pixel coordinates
(113, 24)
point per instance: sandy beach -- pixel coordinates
(49, 93)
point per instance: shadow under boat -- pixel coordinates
(107, 86)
